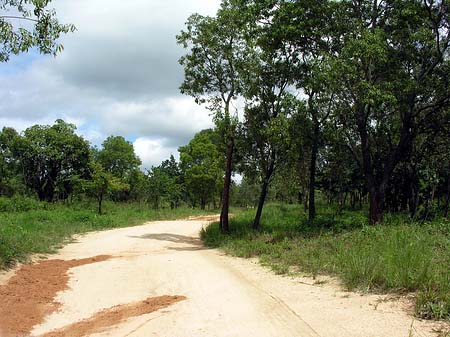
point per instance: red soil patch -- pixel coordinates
(113, 316)
(29, 295)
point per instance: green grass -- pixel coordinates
(29, 227)
(398, 256)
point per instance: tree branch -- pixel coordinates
(17, 18)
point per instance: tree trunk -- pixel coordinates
(156, 203)
(100, 200)
(376, 200)
(312, 173)
(361, 199)
(264, 188)
(300, 197)
(203, 204)
(353, 200)
(447, 200)
(305, 204)
(413, 192)
(224, 223)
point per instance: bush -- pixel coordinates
(20, 204)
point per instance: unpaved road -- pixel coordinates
(217, 295)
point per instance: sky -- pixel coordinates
(118, 75)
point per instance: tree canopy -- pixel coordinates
(366, 81)
(25, 24)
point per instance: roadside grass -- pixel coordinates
(399, 256)
(30, 227)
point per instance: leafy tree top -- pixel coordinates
(25, 24)
(118, 157)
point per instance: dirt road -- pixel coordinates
(203, 293)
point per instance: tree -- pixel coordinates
(211, 76)
(164, 182)
(304, 27)
(266, 78)
(51, 156)
(136, 181)
(117, 156)
(245, 194)
(101, 183)
(29, 23)
(11, 177)
(264, 144)
(175, 183)
(391, 78)
(295, 169)
(158, 182)
(201, 165)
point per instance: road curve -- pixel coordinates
(225, 296)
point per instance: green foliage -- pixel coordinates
(399, 256)
(202, 168)
(164, 183)
(159, 185)
(136, 181)
(117, 156)
(11, 175)
(101, 183)
(216, 52)
(50, 157)
(20, 204)
(29, 23)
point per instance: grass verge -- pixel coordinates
(398, 256)
(30, 227)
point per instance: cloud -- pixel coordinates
(153, 152)
(174, 118)
(118, 74)
(126, 50)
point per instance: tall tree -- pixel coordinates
(392, 73)
(304, 27)
(211, 76)
(266, 79)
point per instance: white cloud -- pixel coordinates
(117, 75)
(153, 152)
(176, 118)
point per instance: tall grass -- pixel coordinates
(399, 256)
(29, 227)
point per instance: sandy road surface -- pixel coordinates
(224, 296)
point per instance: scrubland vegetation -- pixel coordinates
(343, 102)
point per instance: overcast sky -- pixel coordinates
(118, 75)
